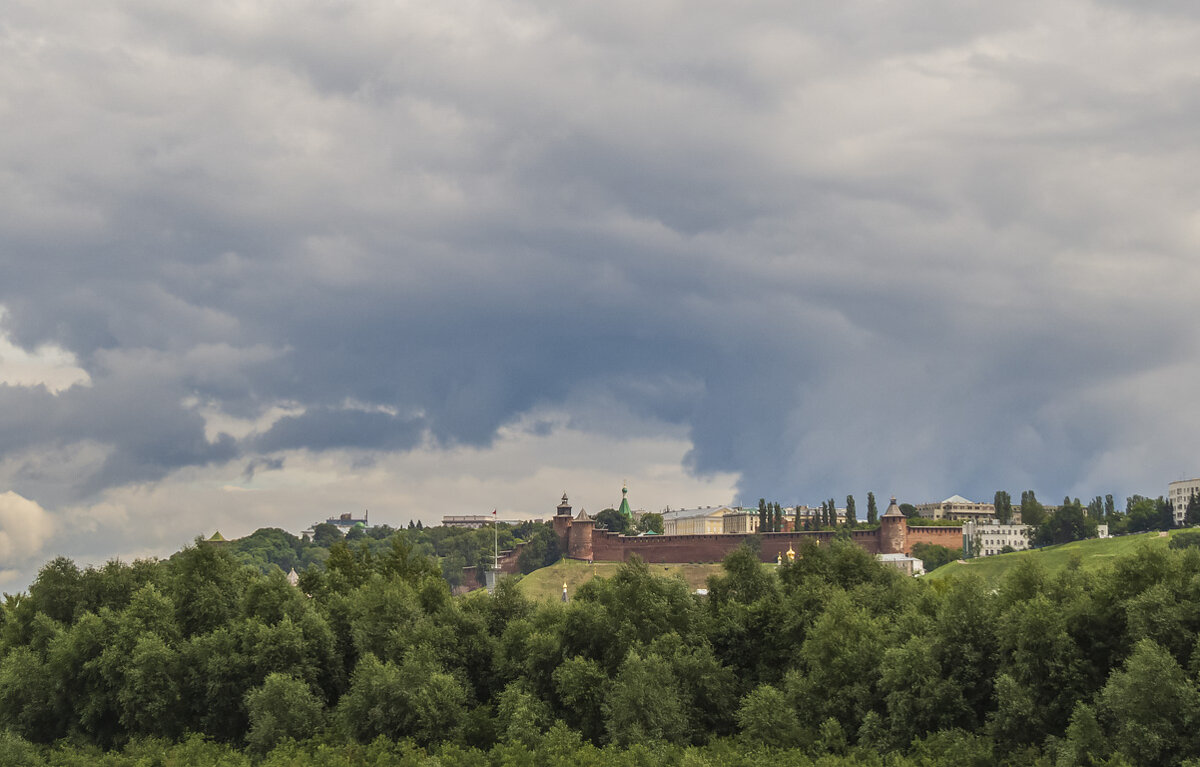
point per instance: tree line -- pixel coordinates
(833, 657)
(1074, 520)
(453, 548)
(771, 515)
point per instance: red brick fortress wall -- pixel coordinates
(950, 537)
(610, 547)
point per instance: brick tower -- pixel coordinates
(893, 530)
(580, 539)
(562, 524)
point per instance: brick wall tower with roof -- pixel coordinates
(893, 530)
(580, 545)
(562, 524)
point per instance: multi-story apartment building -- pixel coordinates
(1179, 493)
(957, 508)
(985, 538)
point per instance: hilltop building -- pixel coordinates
(343, 522)
(1179, 493)
(985, 538)
(471, 521)
(957, 508)
(708, 520)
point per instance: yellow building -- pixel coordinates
(740, 521)
(706, 521)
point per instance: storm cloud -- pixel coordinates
(913, 248)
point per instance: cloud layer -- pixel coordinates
(915, 249)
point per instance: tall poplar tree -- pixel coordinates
(1033, 513)
(872, 509)
(1003, 504)
(778, 518)
(762, 515)
(851, 516)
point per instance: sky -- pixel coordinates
(262, 263)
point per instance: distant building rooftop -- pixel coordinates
(705, 511)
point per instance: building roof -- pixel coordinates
(705, 511)
(217, 537)
(957, 499)
(893, 510)
(897, 558)
(582, 516)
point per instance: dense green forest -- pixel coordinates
(452, 547)
(200, 659)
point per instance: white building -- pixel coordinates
(983, 539)
(344, 523)
(904, 563)
(957, 508)
(740, 521)
(705, 521)
(1179, 493)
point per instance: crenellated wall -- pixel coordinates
(893, 536)
(610, 547)
(950, 537)
(583, 542)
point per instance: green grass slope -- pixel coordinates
(1093, 554)
(547, 582)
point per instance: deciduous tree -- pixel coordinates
(1033, 513)
(1003, 503)
(1150, 707)
(766, 718)
(283, 707)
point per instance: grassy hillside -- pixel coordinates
(1093, 554)
(547, 582)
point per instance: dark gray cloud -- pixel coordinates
(915, 249)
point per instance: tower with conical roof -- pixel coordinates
(893, 530)
(624, 509)
(580, 543)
